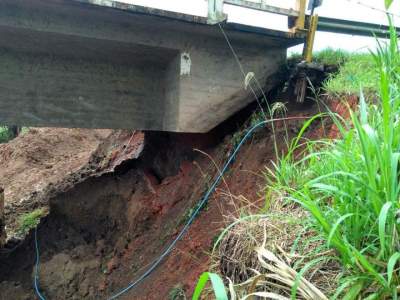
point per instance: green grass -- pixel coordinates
(351, 185)
(355, 70)
(332, 56)
(328, 56)
(358, 71)
(30, 220)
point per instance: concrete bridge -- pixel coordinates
(105, 64)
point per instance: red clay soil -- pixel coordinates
(191, 256)
(102, 232)
(245, 183)
(341, 108)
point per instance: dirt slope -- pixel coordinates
(44, 155)
(39, 158)
(113, 216)
(104, 229)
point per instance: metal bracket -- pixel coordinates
(216, 12)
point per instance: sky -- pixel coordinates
(359, 10)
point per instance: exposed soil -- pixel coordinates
(39, 158)
(114, 207)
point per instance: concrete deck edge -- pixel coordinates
(143, 10)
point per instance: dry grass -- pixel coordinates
(246, 249)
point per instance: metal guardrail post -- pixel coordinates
(216, 12)
(2, 221)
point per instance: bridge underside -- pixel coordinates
(103, 64)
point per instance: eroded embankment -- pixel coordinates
(102, 231)
(114, 216)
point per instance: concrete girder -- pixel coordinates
(104, 64)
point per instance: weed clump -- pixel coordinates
(30, 220)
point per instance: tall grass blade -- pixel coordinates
(393, 260)
(382, 227)
(217, 284)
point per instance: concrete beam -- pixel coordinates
(104, 64)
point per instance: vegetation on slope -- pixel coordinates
(8, 133)
(328, 56)
(349, 187)
(356, 72)
(5, 134)
(30, 220)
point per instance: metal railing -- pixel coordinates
(263, 6)
(216, 14)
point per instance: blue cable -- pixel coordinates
(201, 204)
(36, 278)
(199, 207)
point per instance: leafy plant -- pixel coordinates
(30, 220)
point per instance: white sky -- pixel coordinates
(345, 9)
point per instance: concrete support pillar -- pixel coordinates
(2, 221)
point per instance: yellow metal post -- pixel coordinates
(300, 20)
(310, 38)
(301, 84)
